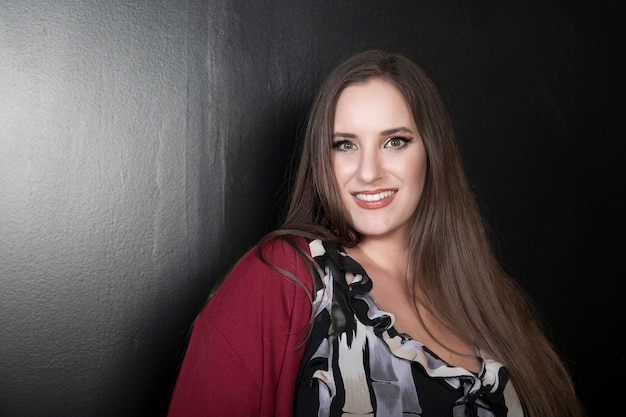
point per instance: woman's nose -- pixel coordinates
(370, 166)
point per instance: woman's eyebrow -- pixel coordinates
(383, 133)
(344, 135)
(395, 130)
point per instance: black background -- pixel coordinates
(145, 145)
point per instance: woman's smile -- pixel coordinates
(374, 199)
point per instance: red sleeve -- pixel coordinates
(247, 342)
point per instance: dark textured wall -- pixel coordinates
(144, 146)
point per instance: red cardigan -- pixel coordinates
(247, 342)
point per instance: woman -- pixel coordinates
(380, 294)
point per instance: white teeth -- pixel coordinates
(374, 197)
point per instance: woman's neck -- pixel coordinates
(390, 255)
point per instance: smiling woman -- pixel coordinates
(378, 160)
(380, 294)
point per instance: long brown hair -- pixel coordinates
(450, 254)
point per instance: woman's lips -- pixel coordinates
(374, 199)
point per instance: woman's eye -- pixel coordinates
(396, 142)
(343, 145)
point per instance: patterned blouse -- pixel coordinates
(357, 364)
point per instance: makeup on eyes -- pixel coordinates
(403, 141)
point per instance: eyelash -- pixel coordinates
(341, 144)
(403, 141)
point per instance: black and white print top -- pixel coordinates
(357, 364)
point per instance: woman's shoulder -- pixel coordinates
(281, 249)
(272, 262)
(273, 273)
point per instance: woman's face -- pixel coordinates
(378, 158)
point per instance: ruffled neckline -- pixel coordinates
(344, 311)
(401, 344)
